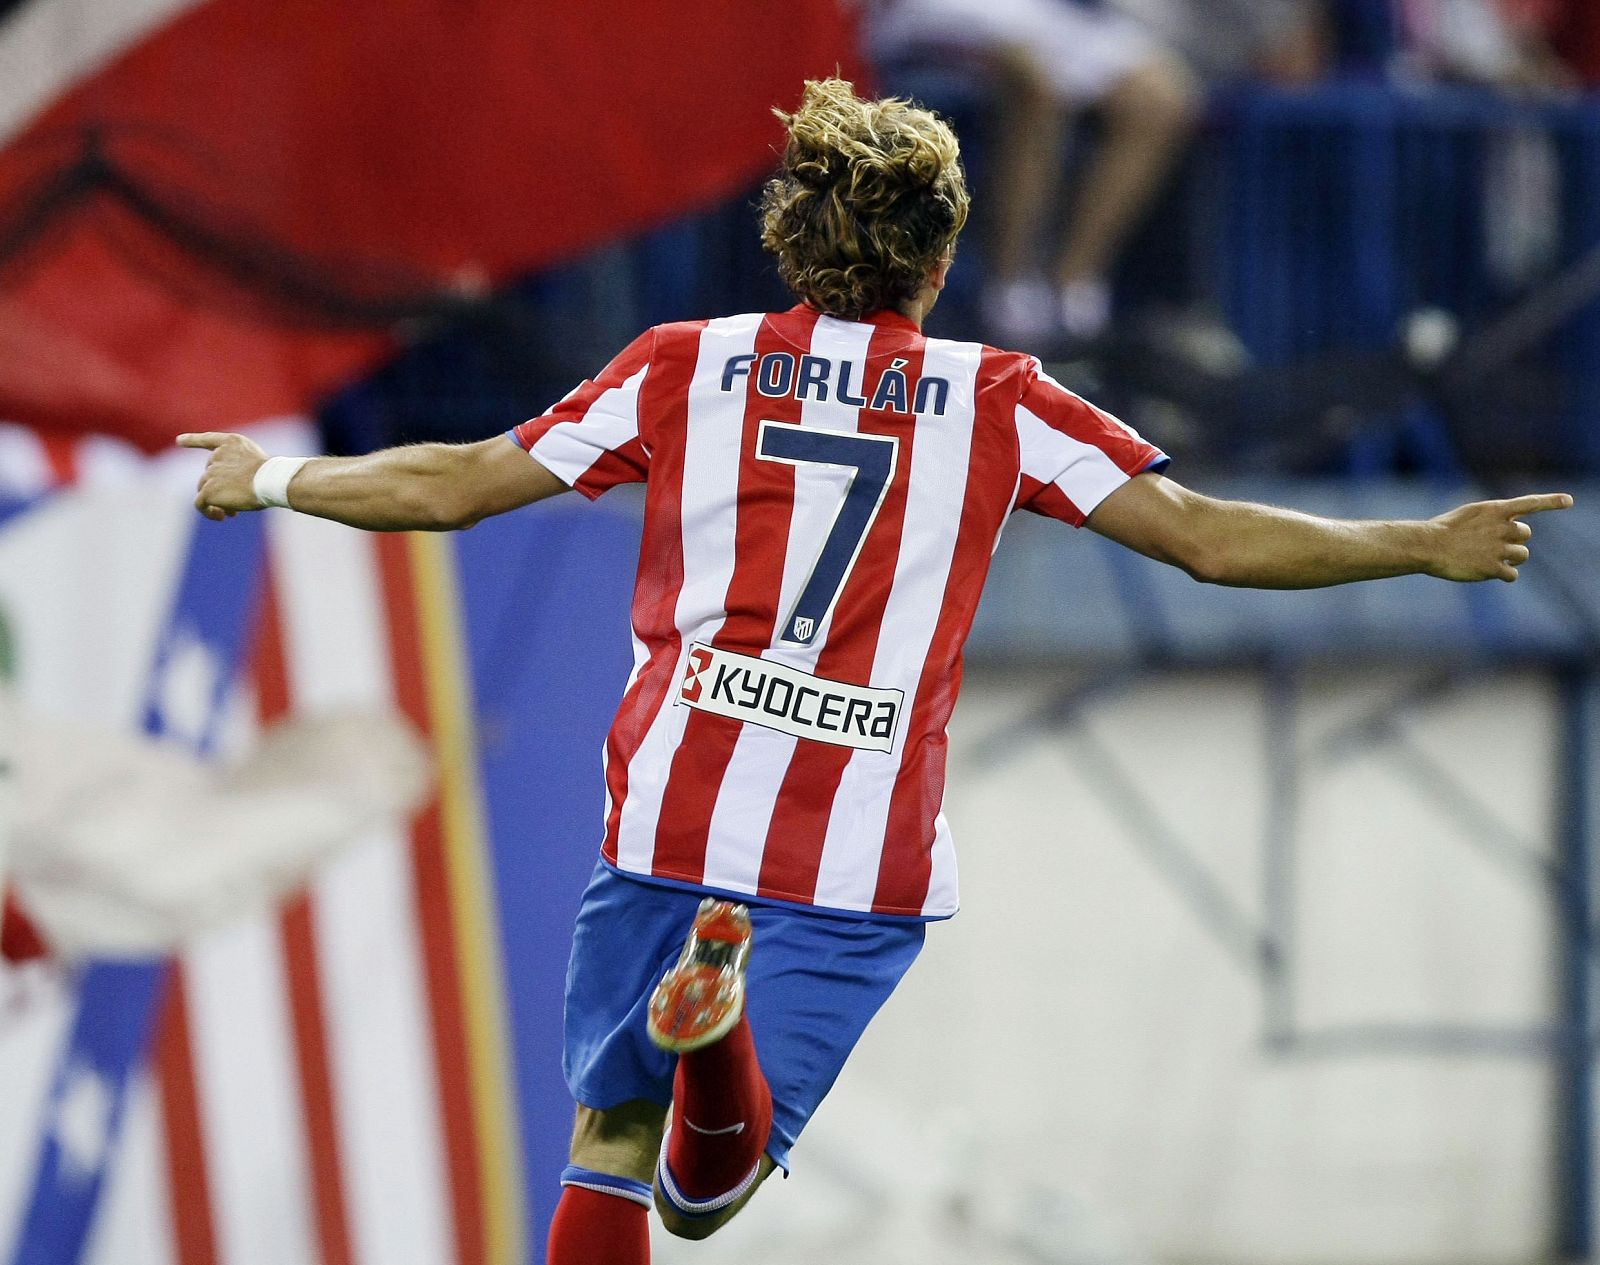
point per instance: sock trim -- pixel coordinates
(608, 1184)
(698, 1207)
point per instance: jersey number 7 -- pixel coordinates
(872, 458)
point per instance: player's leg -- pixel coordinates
(604, 1212)
(712, 1158)
(814, 983)
(621, 1140)
(626, 935)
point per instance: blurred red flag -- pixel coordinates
(210, 228)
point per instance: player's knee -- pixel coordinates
(621, 1140)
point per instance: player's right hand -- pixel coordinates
(226, 485)
(1487, 540)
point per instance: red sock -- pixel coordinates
(721, 1116)
(594, 1228)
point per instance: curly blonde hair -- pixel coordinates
(871, 196)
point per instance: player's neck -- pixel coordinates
(916, 308)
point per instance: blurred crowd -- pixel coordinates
(1141, 71)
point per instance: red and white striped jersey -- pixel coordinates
(823, 500)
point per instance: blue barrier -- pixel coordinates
(1347, 208)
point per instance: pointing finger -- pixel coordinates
(204, 439)
(1536, 504)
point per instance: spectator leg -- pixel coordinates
(1147, 117)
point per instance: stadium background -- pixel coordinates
(1277, 941)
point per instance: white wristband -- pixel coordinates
(271, 484)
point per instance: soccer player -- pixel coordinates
(825, 487)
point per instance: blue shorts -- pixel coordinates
(815, 980)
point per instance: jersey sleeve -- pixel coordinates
(1073, 455)
(590, 440)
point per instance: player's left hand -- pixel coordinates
(226, 485)
(1487, 540)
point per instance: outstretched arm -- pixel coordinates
(423, 487)
(1257, 546)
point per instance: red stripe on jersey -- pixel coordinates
(1128, 452)
(627, 464)
(799, 825)
(907, 860)
(761, 533)
(664, 396)
(1047, 499)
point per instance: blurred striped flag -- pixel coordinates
(323, 1083)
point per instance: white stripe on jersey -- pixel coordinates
(853, 847)
(1083, 472)
(568, 449)
(944, 882)
(709, 514)
(749, 789)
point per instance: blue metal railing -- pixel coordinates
(1350, 207)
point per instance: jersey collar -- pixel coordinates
(886, 319)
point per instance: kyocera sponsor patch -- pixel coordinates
(789, 700)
